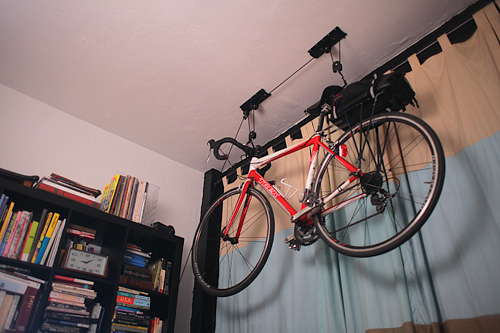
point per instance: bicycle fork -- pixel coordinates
(245, 200)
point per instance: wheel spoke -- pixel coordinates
(402, 165)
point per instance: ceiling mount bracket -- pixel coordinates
(325, 45)
(253, 102)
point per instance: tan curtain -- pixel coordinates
(458, 89)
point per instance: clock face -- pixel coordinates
(86, 262)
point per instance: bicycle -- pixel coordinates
(389, 172)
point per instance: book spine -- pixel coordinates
(28, 243)
(7, 219)
(132, 301)
(64, 296)
(68, 195)
(46, 239)
(74, 280)
(39, 230)
(130, 295)
(25, 309)
(136, 283)
(46, 224)
(7, 237)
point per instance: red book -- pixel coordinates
(86, 284)
(25, 308)
(68, 195)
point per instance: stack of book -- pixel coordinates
(135, 256)
(25, 239)
(18, 299)
(69, 189)
(160, 271)
(69, 308)
(79, 237)
(135, 272)
(131, 312)
(127, 197)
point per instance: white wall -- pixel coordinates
(37, 139)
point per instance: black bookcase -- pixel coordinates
(112, 235)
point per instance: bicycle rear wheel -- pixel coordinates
(403, 167)
(224, 266)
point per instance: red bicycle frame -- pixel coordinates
(254, 177)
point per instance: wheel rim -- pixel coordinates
(225, 265)
(404, 190)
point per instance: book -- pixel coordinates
(51, 307)
(4, 199)
(140, 273)
(46, 238)
(107, 201)
(133, 302)
(127, 280)
(50, 327)
(25, 309)
(55, 245)
(12, 311)
(134, 295)
(51, 241)
(73, 280)
(155, 269)
(168, 273)
(66, 194)
(71, 290)
(64, 296)
(15, 233)
(71, 183)
(32, 229)
(4, 309)
(66, 323)
(16, 281)
(161, 281)
(67, 305)
(73, 317)
(65, 188)
(7, 219)
(46, 224)
(6, 240)
(17, 244)
(118, 195)
(80, 231)
(118, 328)
(38, 233)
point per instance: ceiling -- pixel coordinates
(170, 75)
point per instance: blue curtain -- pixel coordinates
(448, 275)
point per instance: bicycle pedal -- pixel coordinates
(290, 238)
(292, 242)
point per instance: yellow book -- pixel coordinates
(46, 238)
(7, 218)
(52, 226)
(42, 235)
(110, 191)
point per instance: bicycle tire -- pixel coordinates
(220, 267)
(404, 166)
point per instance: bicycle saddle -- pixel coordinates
(327, 97)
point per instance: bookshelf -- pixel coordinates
(112, 235)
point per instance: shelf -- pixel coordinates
(112, 235)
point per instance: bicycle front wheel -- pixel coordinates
(403, 168)
(225, 263)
